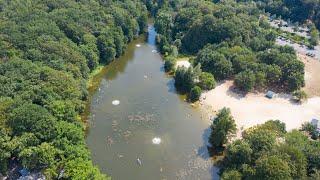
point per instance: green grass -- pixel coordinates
(94, 73)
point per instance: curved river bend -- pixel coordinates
(120, 136)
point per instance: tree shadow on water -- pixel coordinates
(207, 152)
(203, 151)
(171, 87)
(162, 69)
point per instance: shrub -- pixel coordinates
(245, 81)
(222, 128)
(311, 129)
(299, 95)
(184, 79)
(195, 94)
(169, 65)
(231, 175)
(207, 81)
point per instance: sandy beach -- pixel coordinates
(183, 62)
(312, 77)
(255, 108)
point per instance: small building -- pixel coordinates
(270, 94)
(316, 124)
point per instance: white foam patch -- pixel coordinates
(138, 45)
(115, 102)
(156, 140)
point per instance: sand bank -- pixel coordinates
(256, 109)
(183, 62)
(312, 75)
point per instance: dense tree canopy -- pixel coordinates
(184, 79)
(245, 80)
(267, 151)
(49, 47)
(230, 40)
(195, 93)
(47, 50)
(295, 10)
(206, 81)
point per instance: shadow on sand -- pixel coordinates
(237, 94)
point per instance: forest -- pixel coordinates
(295, 10)
(303, 12)
(48, 48)
(228, 39)
(266, 151)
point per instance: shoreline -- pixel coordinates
(95, 78)
(92, 85)
(254, 108)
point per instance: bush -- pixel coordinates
(231, 175)
(184, 79)
(215, 63)
(299, 95)
(260, 80)
(275, 125)
(272, 167)
(169, 65)
(195, 94)
(314, 39)
(245, 81)
(311, 129)
(222, 128)
(238, 153)
(207, 81)
(295, 81)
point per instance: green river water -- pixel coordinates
(149, 107)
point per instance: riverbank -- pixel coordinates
(111, 69)
(93, 74)
(92, 85)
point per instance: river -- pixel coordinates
(149, 107)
